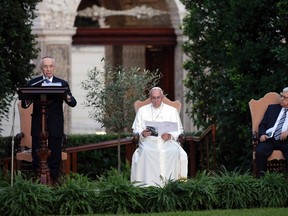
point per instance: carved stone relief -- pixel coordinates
(58, 14)
(139, 12)
(60, 53)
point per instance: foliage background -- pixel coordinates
(237, 50)
(17, 48)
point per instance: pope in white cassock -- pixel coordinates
(158, 158)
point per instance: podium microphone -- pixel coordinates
(40, 81)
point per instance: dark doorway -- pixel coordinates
(159, 43)
(162, 58)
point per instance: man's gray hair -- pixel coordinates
(285, 89)
(41, 61)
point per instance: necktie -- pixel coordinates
(278, 129)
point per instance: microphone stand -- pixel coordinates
(40, 81)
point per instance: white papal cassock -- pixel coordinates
(155, 160)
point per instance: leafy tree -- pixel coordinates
(112, 93)
(237, 50)
(17, 48)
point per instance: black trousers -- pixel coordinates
(55, 158)
(265, 149)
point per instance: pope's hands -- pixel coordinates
(146, 133)
(166, 136)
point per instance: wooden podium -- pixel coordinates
(42, 94)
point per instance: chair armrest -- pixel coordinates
(136, 138)
(181, 138)
(254, 138)
(18, 138)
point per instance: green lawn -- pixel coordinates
(237, 212)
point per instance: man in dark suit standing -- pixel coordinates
(54, 119)
(273, 133)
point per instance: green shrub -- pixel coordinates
(5, 147)
(235, 190)
(26, 197)
(168, 198)
(272, 190)
(75, 195)
(97, 162)
(82, 139)
(116, 194)
(113, 193)
(200, 192)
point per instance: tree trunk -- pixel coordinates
(119, 153)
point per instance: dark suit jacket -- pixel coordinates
(55, 118)
(269, 118)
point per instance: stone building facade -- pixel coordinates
(71, 32)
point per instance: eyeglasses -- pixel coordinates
(284, 97)
(46, 67)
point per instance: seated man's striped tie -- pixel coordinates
(278, 129)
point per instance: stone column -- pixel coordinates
(177, 12)
(54, 27)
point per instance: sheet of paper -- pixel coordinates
(163, 127)
(52, 84)
(270, 132)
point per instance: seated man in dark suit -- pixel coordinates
(273, 132)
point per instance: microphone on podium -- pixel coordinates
(40, 81)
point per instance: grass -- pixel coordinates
(235, 212)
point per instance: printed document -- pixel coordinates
(163, 127)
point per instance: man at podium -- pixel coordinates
(54, 117)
